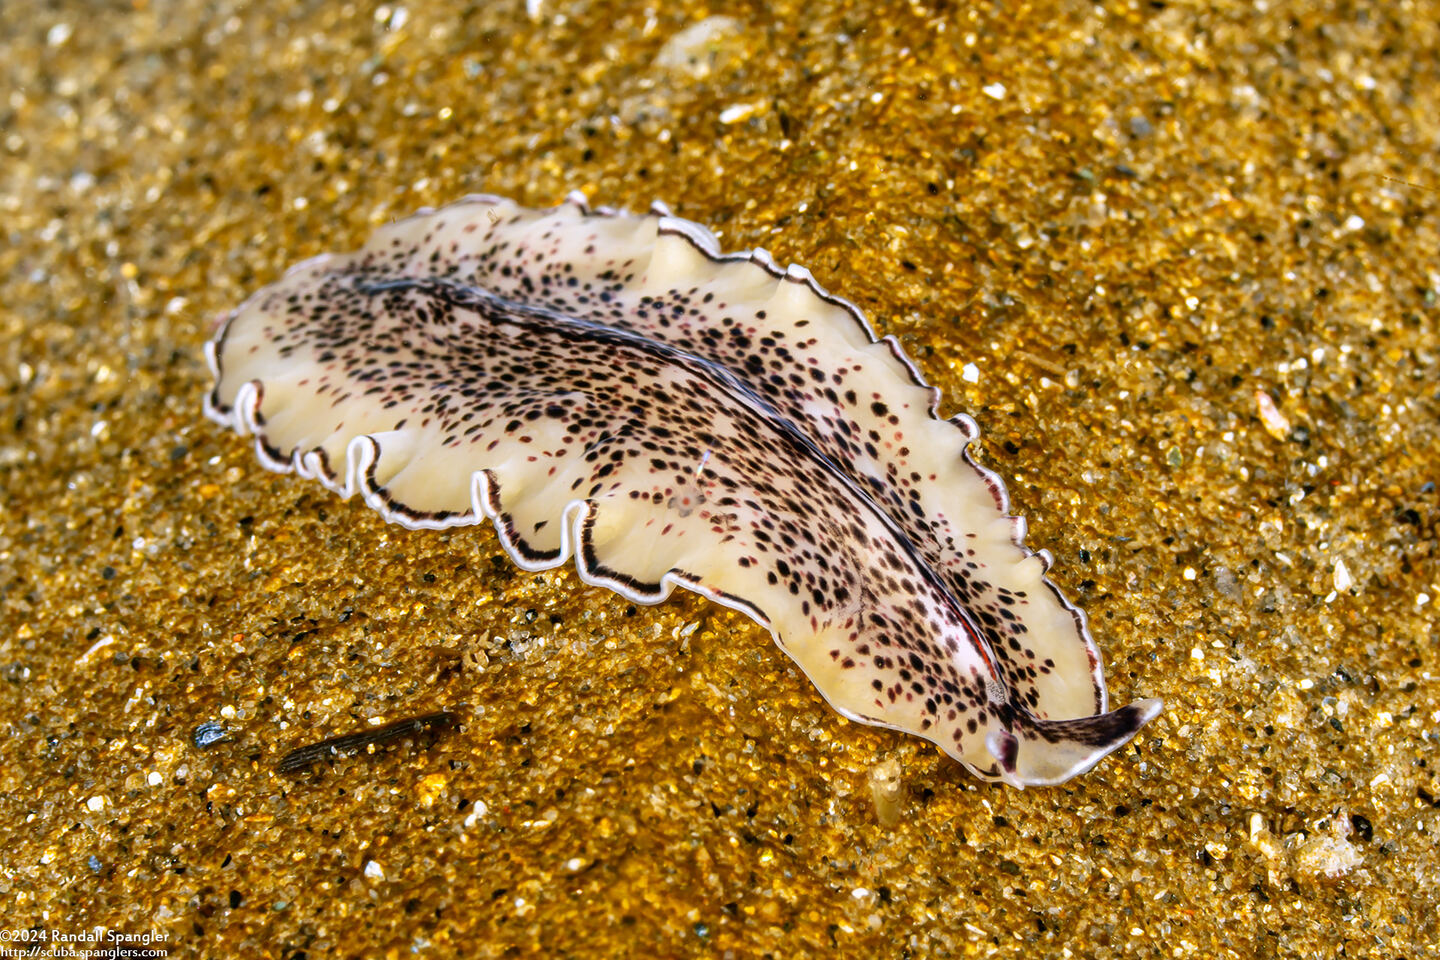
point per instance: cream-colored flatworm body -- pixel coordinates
(615, 387)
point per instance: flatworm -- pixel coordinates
(616, 387)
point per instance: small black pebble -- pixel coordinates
(208, 734)
(235, 899)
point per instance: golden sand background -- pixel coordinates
(1140, 222)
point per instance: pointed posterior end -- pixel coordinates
(1147, 709)
(1061, 749)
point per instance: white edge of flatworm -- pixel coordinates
(244, 417)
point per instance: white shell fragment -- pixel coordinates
(613, 386)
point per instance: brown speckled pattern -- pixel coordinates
(614, 386)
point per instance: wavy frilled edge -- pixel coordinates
(357, 476)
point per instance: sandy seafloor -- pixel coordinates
(1139, 223)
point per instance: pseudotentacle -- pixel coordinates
(613, 386)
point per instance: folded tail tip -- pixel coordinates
(1146, 710)
(1066, 748)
